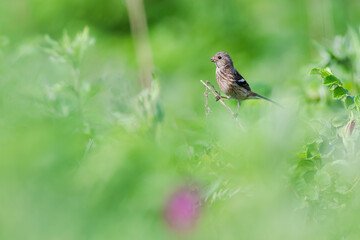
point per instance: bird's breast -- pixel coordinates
(223, 81)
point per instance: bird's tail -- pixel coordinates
(254, 95)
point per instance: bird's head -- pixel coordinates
(222, 59)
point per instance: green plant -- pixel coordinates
(343, 56)
(325, 174)
(66, 97)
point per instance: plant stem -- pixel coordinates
(76, 77)
(139, 30)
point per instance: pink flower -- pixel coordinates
(183, 209)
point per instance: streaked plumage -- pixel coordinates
(230, 80)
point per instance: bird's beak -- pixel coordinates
(212, 59)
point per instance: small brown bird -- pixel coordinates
(231, 82)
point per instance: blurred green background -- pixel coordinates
(87, 152)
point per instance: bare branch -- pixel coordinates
(218, 97)
(207, 108)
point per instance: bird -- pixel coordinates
(231, 82)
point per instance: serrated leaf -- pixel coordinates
(349, 102)
(339, 92)
(331, 79)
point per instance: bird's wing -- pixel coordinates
(240, 81)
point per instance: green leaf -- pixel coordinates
(311, 192)
(322, 72)
(339, 121)
(323, 179)
(306, 164)
(357, 101)
(339, 92)
(309, 176)
(308, 153)
(349, 102)
(341, 186)
(331, 79)
(312, 149)
(317, 160)
(315, 71)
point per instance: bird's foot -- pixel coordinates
(218, 97)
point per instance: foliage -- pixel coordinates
(326, 174)
(67, 50)
(343, 55)
(87, 154)
(65, 98)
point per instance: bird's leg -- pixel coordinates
(218, 97)
(239, 104)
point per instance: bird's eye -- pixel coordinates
(219, 57)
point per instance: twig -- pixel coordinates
(218, 96)
(356, 182)
(207, 108)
